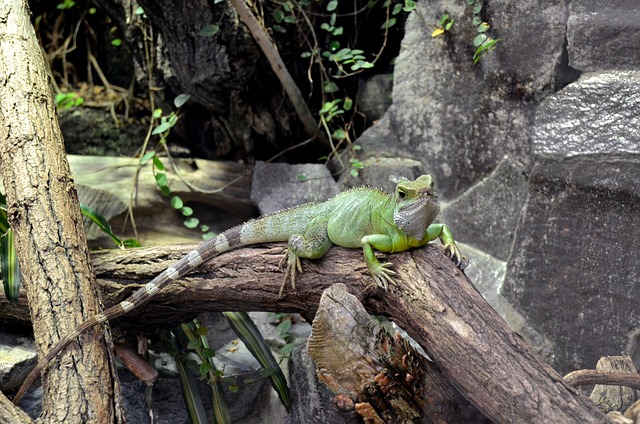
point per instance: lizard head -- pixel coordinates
(416, 205)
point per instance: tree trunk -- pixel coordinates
(43, 211)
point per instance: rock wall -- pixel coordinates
(536, 153)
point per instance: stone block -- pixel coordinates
(603, 34)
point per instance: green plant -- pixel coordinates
(193, 335)
(444, 24)
(10, 270)
(167, 122)
(68, 100)
(482, 42)
(335, 58)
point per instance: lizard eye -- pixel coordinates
(401, 194)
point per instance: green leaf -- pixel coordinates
(131, 243)
(476, 21)
(337, 31)
(409, 6)
(161, 179)
(66, 4)
(483, 27)
(305, 55)
(278, 15)
(144, 159)
(101, 222)
(209, 30)
(157, 113)
(477, 8)
(186, 211)
(181, 99)
(139, 10)
(397, 8)
(116, 42)
(388, 24)
(332, 5)
(192, 399)
(202, 330)
(232, 388)
(480, 38)
(191, 222)
(330, 87)
(253, 340)
(443, 19)
(287, 349)
(157, 162)
(284, 326)
(176, 202)
(10, 269)
(449, 25)
(339, 134)
(164, 126)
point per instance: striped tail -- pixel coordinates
(207, 250)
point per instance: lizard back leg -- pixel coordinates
(312, 245)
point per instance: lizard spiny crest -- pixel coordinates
(416, 206)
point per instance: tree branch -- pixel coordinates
(270, 51)
(434, 302)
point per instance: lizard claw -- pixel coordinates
(382, 275)
(453, 253)
(293, 266)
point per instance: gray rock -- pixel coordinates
(374, 95)
(574, 271)
(486, 215)
(598, 114)
(278, 186)
(603, 34)
(383, 173)
(461, 119)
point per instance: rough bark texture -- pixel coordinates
(10, 414)
(435, 303)
(368, 369)
(44, 213)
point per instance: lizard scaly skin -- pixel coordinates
(357, 218)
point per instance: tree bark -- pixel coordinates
(44, 213)
(380, 377)
(434, 302)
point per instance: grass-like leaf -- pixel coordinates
(247, 331)
(11, 276)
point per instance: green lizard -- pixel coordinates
(357, 218)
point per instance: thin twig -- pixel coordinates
(610, 378)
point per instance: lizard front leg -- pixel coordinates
(312, 245)
(443, 232)
(380, 272)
